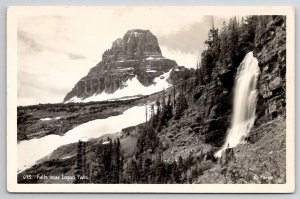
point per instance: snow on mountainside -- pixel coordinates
(133, 87)
(133, 66)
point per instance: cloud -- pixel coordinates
(190, 39)
(28, 41)
(32, 86)
(185, 59)
(74, 56)
(33, 45)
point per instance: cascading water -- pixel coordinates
(245, 98)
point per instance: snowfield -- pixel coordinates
(133, 88)
(44, 146)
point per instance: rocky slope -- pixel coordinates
(137, 56)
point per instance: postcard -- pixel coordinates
(150, 99)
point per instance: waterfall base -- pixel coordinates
(236, 135)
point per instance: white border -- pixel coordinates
(13, 186)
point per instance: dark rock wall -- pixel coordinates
(214, 111)
(270, 50)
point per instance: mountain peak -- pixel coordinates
(135, 44)
(135, 59)
(138, 31)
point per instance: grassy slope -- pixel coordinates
(263, 161)
(179, 137)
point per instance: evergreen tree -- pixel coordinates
(174, 95)
(157, 106)
(146, 112)
(181, 105)
(81, 168)
(175, 177)
(163, 98)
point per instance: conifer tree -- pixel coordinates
(81, 169)
(181, 105)
(174, 95)
(158, 106)
(146, 113)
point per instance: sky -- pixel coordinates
(56, 49)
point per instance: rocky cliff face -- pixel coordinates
(214, 101)
(137, 54)
(270, 50)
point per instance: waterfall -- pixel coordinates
(244, 102)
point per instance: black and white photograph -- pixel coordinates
(150, 96)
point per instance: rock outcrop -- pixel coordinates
(179, 73)
(137, 54)
(270, 50)
(214, 101)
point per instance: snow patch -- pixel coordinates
(106, 142)
(151, 71)
(150, 58)
(48, 118)
(74, 99)
(154, 58)
(136, 34)
(133, 88)
(125, 69)
(66, 157)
